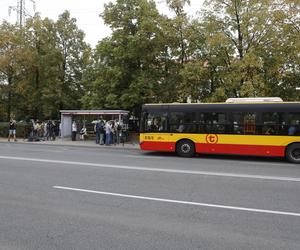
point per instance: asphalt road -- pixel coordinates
(54, 197)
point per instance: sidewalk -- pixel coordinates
(68, 142)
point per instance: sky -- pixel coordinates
(86, 12)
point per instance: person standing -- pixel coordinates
(12, 130)
(119, 131)
(113, 133)
(101, 131)
(45, 126)
(97, 131)
(48, 137)
(52, 130)
(59, 129)
(107, 133)
(74, 131)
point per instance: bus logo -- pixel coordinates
(212, 139)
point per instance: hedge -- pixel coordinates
(23, 129)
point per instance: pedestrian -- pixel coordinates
(74, 131)
(113, 133)
(101, 131)
(119, 131)
(12, 130)
(97, 131)
(49, 125)
(59, 129)
(107, 133)
(52, 130)
(45, 130)
(34, 128)
(83, 133)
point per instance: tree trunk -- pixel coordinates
(9, 99)
(240, 35)
(37, 109)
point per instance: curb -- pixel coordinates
(72, 145)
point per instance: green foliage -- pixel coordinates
(4, 126)
(247, 42)
(41, 67)
(233, 49)
(127, 66)
(23, 129)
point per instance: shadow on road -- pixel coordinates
(223, 157)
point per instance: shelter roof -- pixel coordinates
(94, 112)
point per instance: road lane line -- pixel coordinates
(180, 202)
(163, 170)
(144, 157)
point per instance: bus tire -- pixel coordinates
(292, 153)
(185, 148)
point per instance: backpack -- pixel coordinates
(101, 127)
(119, 127)
(97, 127)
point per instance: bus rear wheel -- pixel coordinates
(293, 153)
(185, 148)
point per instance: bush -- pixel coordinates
(23, 129)
(4, 126)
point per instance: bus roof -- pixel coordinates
(254, 99)
(220, 103)
(234, 107)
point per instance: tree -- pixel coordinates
(41, 41)
(179, 25)
(284, 69)
(73, 57)
(127, 66)
(237, 31)
(13, 65)
(41, 67)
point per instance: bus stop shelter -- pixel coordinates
(68, 116)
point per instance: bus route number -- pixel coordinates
(147, 137)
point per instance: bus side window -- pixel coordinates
(250, 123)
(272, 123)
(244, 123)
(201, 125)
(215, 123)
(155, 122)
(237, 127)
(293, 124)
(183, 122)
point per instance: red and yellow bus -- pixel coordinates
(258, 129)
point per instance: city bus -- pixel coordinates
(235, 128)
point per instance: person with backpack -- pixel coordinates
(97, 131)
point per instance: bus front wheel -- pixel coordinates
(293, 153)
(185, 148)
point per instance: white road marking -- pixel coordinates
(45, 151)
(163, 170)
(144, 157)
(181, 202)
